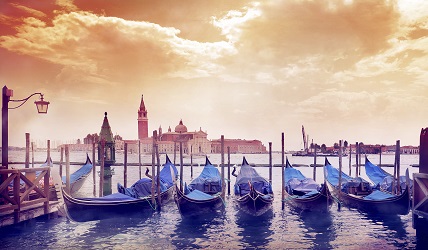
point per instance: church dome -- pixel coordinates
(180, 128)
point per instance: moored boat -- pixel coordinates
(381, 179)
(136, 199)
(203, 195)
(304, 193)
(79, 176)
(357, 193)
(253, 193)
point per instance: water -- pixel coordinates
(278, 229)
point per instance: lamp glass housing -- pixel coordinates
(42, 106)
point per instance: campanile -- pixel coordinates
(143, 121)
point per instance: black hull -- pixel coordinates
(191, 207)
(81, 210)
(318, 203)
(397, 205)
(254, 203)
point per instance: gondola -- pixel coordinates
(253, 193)
(48, 162)
(304, 193)
(357, 193)
(203, 195)
(79, 176)
(128, 201)
(381, 179)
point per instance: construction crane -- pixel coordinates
(305, 140)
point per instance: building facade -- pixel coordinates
(195, 142)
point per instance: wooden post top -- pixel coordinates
(423, 151)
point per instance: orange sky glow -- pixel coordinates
(351, 70)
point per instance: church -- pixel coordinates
(195, 142)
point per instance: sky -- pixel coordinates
(345, 70)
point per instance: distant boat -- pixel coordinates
(253, 193)
(304, 193)
(79, 176)
(312, 154)
(357, 193)
(136, 199)
(203, 195)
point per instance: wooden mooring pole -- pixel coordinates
(61, 161)
(350, 157)
(270, 163)
(153, 167)
(340, 167)
(181, 167)
(223, 185)
(191, 161)
(48, 157)
(282, 171)
(67, 169)
(27, 150)
(357, 151)
(340, 173)
(103, 157)
(360, 145)
(125, 167)
(139, 158)
(228, 170)
(32, 154)
(158, 178)
(315, 163)
(175, 152)
(397, 166)
(94, 171)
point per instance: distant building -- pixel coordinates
(238, 146)
(195, 142)
(409, 150)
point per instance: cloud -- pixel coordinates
(282, 34)
(67, 5)
(114, 48)
(30, 11)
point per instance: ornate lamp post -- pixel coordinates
(42, 108)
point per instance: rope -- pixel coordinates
(224, 202)
(154, 208)
(336, 199)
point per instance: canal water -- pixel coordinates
(278, 229)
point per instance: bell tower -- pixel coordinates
(143, 121)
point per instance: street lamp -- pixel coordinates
(42, 108)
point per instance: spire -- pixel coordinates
(142, 106)
(106, 130)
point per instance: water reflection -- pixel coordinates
(319, 228)
(255, 231)
(196, 231)
(110, 232)
(392, 223)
